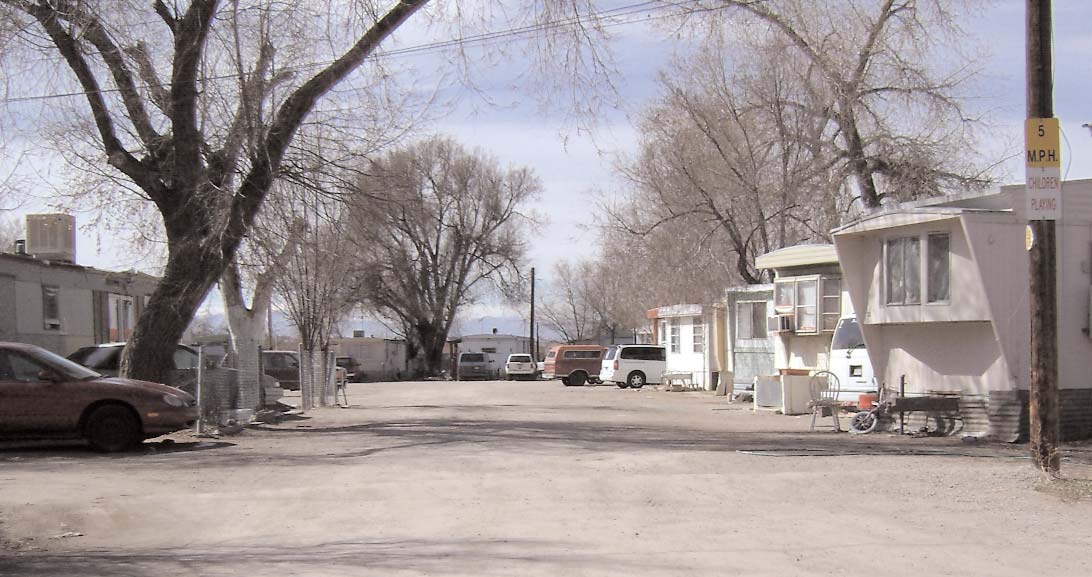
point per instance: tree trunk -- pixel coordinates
(245, 328)
(187, 279)
(431, 340)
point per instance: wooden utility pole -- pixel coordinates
(1043, 266)
(531, 325)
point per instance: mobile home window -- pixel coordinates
(814, 302)
(121, 317)
(51, 307)
(784, 296)
(938, 275)
(751, 320)
(674, 337)
(832, 302)
(699, 335)
(806, 305)
(902, 267)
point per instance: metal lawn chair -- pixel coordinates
(824, 387)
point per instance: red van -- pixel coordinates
(574, 364)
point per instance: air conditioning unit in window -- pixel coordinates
(779, 324)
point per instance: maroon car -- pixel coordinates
(43, 395)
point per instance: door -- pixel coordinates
(29, 401)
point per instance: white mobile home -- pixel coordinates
(941, 290)
(686, 332)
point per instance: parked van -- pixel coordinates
(472, 366)
(574, 364)
(849, 361)
(634, 365)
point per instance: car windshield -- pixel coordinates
(472, 358)
(68, 368)
(519, 359)
(101, 358)
(847, 336)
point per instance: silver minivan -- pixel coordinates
(633, 365)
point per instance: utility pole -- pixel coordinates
(1044, 207)
(531, 325)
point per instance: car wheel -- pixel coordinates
(636, 379)
(113, 428)
(565, 381)
(578, 379)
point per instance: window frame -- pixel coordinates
(674, 333)
(927, 263)
(752, 307)
(697, 334)
(51, 293)
(819, 304)
(924, 278)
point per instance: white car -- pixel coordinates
(633, 365)
(520, 366)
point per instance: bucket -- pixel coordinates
(865, 401)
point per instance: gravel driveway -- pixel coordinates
(533, 478)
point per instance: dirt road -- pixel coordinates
(532, 478)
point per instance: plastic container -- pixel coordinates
(865, 401)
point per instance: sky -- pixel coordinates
(575, 163)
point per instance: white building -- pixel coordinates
(687, 332)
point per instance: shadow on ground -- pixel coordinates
(431, 557)
(14, 451)
(530, 436)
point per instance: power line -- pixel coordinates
(613, 18)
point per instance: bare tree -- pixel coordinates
(11, 230)
(728, 154)
(566, 306)
(434, 223)
(841, 103)
(316, 284)
(589, 300)
(888, 78)
(677, 263)
(193, 107)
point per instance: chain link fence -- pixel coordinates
(228, 387)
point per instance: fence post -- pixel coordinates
(198, 391)
(306, 375)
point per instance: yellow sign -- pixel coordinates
(1042, 143)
